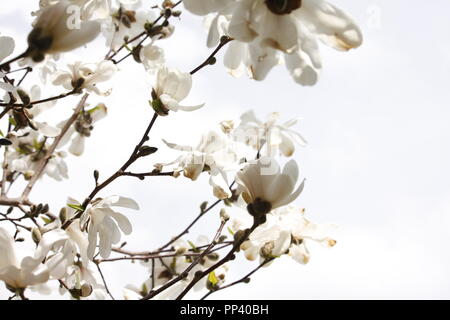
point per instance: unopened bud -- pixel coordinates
(203, 206)
(96, 175)
(146, 151)
(159, 107)
(63, 215)
(36, 235)
(180, 251)
(24, 97)
(85, 290)
(224, 215)
(136, 52)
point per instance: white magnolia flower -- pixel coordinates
(218, 11)
(277, 137)
(264, 187)
(86, 76)
(55, 30)
(34, 94)
(68, 246)
(104, 224)
(286, 231)
(82, 129)
(19, 274)
(93, 9)
(172, 86)
(125, 21)
(84, 283)
(270, 32)
(152, 57)
(214, 154)
(28, 147)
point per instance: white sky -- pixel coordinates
(376, 163)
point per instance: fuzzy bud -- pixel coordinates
(36, 235)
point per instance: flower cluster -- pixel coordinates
(270, 32)
(250, 164)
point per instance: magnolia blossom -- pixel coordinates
(214, 154)
(28, 147)
(68, 246)
(270, 32)
(152, 57)
(82, 129)
(27, 96)
(56, 30)
(264, 187)
(276, 136)
(286, 231)
(104, 224)
(125, 21)
(172, 86)
(83, 283)
(86, 76)
(93, 9)
(19, 274)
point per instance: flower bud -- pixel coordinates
(63, 215)
(36, 235)
(85, 290)
(224, 216)
(24, 97)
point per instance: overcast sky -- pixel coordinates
(376, 164)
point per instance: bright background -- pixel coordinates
(377, 124)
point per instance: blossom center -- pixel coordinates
(281, 7)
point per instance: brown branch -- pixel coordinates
(103, 279)
(43, 162)
(244, 279)
(186, 231)
(210, 60)
(185, 273)
(228, 257)
(134, 156)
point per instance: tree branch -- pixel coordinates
(43, 162)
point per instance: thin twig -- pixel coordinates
(228, 257)
(186, 231)
(103, 279)
(223, 41)
(185, 273)
(43, 162)
(245, 279)
(134, 156)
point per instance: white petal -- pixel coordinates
(6, 47)
(47, 130)
(77, 146)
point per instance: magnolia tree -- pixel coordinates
(63, 249)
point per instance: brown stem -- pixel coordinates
(228, 257)
(186, 231)
(245, 279)
(208, 60)
(7, 63)
(43, 162)
(185, 273)
(118, 173)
